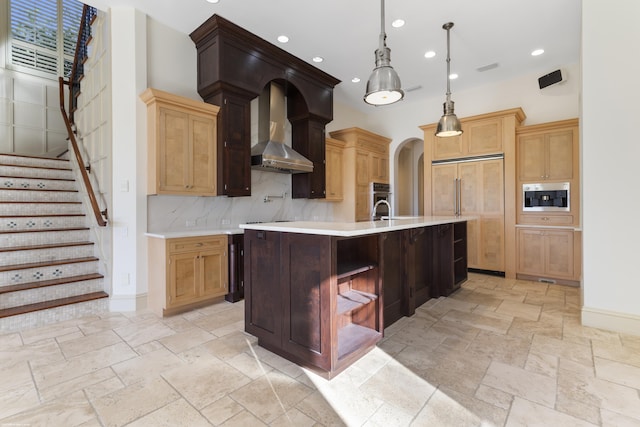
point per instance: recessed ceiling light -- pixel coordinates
(429, 54)
(213, 1)
(283, 39)
(355, 80)
(317, 59)
(453, 76)
(537, 52)
(397, 23)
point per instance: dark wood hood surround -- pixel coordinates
(234, 66)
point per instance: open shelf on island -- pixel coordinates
(355, 337)
(346, 269)
(353, 299)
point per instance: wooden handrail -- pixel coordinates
(80, 55)
(88, 14)
(100, 215)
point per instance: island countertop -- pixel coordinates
(352, 229)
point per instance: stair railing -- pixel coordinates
(77, 71)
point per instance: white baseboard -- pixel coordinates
(127, 302)
(611, 320)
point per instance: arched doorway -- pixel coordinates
(409, 175)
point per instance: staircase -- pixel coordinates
(48, 271)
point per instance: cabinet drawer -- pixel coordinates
(196, 243)
(546, 219)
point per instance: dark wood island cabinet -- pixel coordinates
(320, 294)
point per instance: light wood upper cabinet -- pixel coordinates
(365, 160)
(548, 152)
(479, 138)
(181, 144)
(334, 170)
(187, 272)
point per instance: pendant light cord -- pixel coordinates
(447, 27)
(383, 35)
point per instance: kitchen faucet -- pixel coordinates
(378, 203)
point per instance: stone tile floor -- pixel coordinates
(497, 352)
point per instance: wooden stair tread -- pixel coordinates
(39, 201)
(27, 156)
(40, 230)
(46, 283)
(38, 189)
(41, 215)
(36, 167)
(46, 246)
(38, 178)
(45, 264)
(29, 308)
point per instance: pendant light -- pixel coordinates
(383, 86)
(449, 125)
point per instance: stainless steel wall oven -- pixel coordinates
(379, 191)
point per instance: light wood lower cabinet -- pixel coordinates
(548, 253)
(186, 272)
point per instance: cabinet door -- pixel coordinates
(490, 237)
(531, 251)
(531, 158)
(362, 168)
(173, 151)
(396, 298)
(202, 171)
(471, 187)
(183, 278)
(559, 156)
(263, 299)
(448, 148)
(483, 137)
(306, 297)
(235, 146)
(490, 244)
(443, 188)
(334, 174)
(308, 140)
(213, 273)
(559, 253)
(379, 168)
(363, 203)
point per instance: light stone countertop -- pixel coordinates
(192, 233)
(352, 229)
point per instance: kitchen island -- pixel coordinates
(321, 293)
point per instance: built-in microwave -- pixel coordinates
(548, 196)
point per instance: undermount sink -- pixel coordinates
(397, 217)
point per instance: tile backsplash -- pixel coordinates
(188, 213)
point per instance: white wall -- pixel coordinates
(610, 153)
(30, 119)
(128, 118)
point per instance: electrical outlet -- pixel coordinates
(191, 223)
(225, 222)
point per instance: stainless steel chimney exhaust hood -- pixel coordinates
(271, 153)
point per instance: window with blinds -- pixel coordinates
(43, 34)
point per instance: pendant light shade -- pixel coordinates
(449, 125)
(383, 86)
